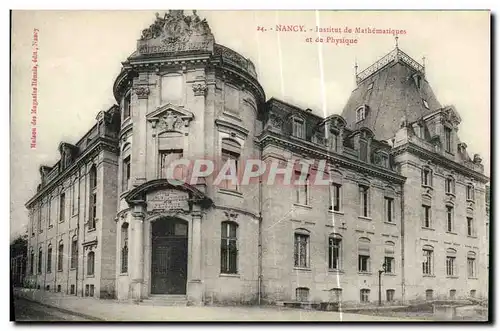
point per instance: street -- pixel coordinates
(29, 311)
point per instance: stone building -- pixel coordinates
(404, 200)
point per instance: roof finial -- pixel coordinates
(396, 38)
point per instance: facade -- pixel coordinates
(404, 201)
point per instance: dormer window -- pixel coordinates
(360, 114)
(299, 128)
(447, 139)
(426, 104)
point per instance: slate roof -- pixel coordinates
(394, 95)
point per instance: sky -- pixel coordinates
(80, 55)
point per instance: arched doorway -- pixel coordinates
(169, 241)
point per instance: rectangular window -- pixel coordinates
(62, 207)
(298, 128)
(91, 290)
(389, 209)
(301, 189)
(40, 261)
(365, 200)
(363, 150)
(166, 159)
(74, 202)
(60, 257)
(470, 226)
(449, 218)
(334, 253)
(49, 260)
(302, 294)
(449, 185)
(301, 253)
(233, 159)
(470, 192)
(450, 266)
(447, 139)
(389, 264)
(126, 106)
(335, 197)
(471, 267)
(427, 264)
(426, 177)
(363, 263)
(453, 294)
(74, 254)
(427, 216)
(126, 174)
(87, 290)
(390, 295)
(364, 295)
(32, 262)
(229, 248)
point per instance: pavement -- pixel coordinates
(29, 311)
(113, 310)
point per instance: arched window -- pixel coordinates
(49, 258)
(230, 156)
(74, 252)
(449, 185)
(471, 264)
(450, 214)
(451, 255)
(301, 248)
(124, 248)
(429, 294)
(90, 263)
(40, 253)
(126, 167)
(428, 260)
(470, 192)
(93, 197)
(426, 176)
(229, 248)
(335, 252)
(60, 256)
(363, 254)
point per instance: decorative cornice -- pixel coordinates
(323, 153)
(439, 159)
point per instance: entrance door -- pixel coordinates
(169, 256)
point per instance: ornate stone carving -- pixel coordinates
(142, 92)
(231, 215)
(199, 89)
(477, 159)
(170, 121)
(275, 122)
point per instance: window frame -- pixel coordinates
(471, 264)
(229, 248)
(332, 239)
(302, 189)
(426, 216)
(364, 255)
(451, 263)
(364, 295)
(90, 263)
(48, 267)
(360, 114)
(92, 197)
(62, 207)
(124, 250)
(74, 253)
(231, 150)
(60, 256)
(302, 256)
(450, 216)
(335, 190)
(298, 127)
(428, 261)
(364, 200)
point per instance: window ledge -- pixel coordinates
(427, 186)
(364, 273)
(72, 269)
(449, 232)
(123, 274)
(89, 276)
(74, 214)
(365, 218)
(340, 212)
(390, 223)
(61, 221)
(229, 275)
(50, 226)
(390, 274)
(450, 194)
(473, 237)
(430, 276)
(60, 270)
(470, 200)
(91, 230)
(336, 271)
(472, 278)
(452, 277)
(431, 229)
(231, 192)
(302, 206)
(301, 269)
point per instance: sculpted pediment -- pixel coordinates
(170, 118)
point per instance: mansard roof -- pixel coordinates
(392, 88)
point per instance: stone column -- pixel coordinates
(137, 256)
(140, 135)
(195, 288)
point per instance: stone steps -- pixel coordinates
(165, 300)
